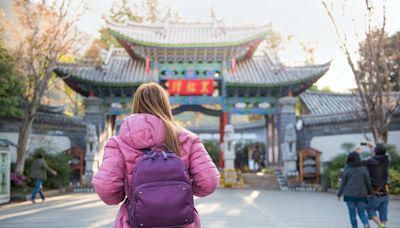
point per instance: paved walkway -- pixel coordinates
(224, 209)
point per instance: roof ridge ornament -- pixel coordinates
(165, 23)
(218, 24)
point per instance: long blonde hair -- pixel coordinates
(152, 99)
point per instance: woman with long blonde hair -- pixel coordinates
(151, 124)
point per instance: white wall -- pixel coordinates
(330, 146)
(52, 144)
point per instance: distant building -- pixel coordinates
(201, 65)
(331, 119)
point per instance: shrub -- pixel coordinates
(394, 171)
(212, 149)
(57, 162)
(17, 180)
(332, 171)
(394, 157)
(394, 181)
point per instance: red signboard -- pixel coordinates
(190, 87)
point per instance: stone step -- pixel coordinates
(260, 180)
(83, 189)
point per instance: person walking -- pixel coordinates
(150, 125)
(39, 169)
(378, 168)
(355, 187)
(257, 158)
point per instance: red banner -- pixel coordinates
(190, 87)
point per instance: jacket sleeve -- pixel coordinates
(109, 180)
(47, 168)
(202, 170)
(369, 163)
(343, 183)
(367, 181)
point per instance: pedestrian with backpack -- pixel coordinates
(155, 167)
(355, 187)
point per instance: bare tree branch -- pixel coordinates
(372, 69)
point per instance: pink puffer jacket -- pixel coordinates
(122, 152)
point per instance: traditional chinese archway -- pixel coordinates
(198, 64)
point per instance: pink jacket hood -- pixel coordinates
(141, 131)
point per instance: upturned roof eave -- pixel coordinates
(259, 36)
(312, 77)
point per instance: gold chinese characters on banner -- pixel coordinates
(190, 87)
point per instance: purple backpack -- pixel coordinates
(160, 191)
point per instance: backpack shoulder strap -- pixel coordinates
(146, 151)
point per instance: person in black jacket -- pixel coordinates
(378, 168)
(355, 187)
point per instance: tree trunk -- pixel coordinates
(23, 138)
(384, 134)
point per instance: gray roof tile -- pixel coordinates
(187, 33)
(262, 70)
(325, 107)
(121, 69)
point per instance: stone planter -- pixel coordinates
(260, 181)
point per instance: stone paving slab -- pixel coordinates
(224, 209)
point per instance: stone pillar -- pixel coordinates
(92, 151)
(228, 147)
(95, 120)
(287, 134)
(94, 113)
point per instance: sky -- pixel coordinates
(305, 20)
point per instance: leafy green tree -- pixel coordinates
(348, 147)
(122, 11)
(107, 40)
(10, 86)
(43, 32)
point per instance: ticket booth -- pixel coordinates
(5, 167)
(309, 165)
(76, 164)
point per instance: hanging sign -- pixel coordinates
(147, 64)
(190, 87)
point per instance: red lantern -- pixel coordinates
(147, 64)
(233, 63)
